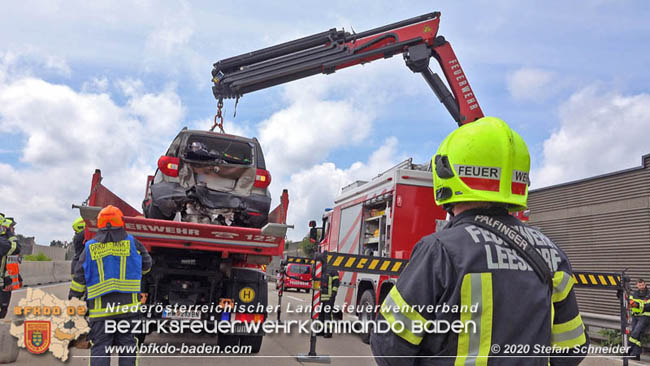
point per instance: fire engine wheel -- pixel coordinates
(255, 342)
(367, 301)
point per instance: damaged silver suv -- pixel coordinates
(211, 178)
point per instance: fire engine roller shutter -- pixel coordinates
(602, 224)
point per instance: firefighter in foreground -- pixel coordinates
(640, 305)
(9, 277)
(328, 298)
(79, 225)
(522, 298)
(109, 271)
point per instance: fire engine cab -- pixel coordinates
(381, 218)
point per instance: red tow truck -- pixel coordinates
(201, 264)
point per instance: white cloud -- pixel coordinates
(313, 189)
(68, 134)
(95, 85)
(531, 84)
(172, 34)
(600, 132)
(29, 57)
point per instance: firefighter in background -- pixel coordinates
(521, 296)
(640, 306)
(79, 226)
(9, 277)
(313, 232)
(109, 271)
(328, 297)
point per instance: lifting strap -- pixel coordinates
(519, 244)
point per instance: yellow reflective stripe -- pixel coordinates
(373, 264)
(13, 246)
(147, 271)
(92, 292)
(76, 286)
(474, 347)
(568, 334)
(384, 265)
(465, 316)
(137, 351)
(99, 313)
(486, 319)
(635, 341)
(396, 266)
(100, 269)
(122, 267)
(338, 261)
(113, 284)
(394, 309)
(562, 285)
(329, 286)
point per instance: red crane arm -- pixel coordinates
(416, 38)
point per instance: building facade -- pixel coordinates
(603, 224)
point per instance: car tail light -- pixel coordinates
(262, 178)
(248, 318)
(168, 165)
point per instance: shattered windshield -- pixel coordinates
(208, 148)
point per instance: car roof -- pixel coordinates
(220, 135)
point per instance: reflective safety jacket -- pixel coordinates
(109, 271)
(8, 246)
(331, 286)
(78, 246)
(642, 301)
(468, 276)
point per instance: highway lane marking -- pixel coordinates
(295, 298)
(43, 286)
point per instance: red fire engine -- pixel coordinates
(381, 218)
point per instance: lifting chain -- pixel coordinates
(218, 116)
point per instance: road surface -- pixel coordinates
(277, 349)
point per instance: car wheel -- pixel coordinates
(224, 340)
(255, 342)
(366, 302)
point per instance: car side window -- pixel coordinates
(173, 148)
(259, 156)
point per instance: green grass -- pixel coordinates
(40, 257)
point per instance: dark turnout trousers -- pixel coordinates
(101, 341)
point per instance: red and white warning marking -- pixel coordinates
(484, 178)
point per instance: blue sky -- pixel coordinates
(107, 84)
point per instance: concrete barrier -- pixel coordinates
(8, 344)
(56, 254)
(61, 271)
(40, 273)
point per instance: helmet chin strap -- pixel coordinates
(449, 207)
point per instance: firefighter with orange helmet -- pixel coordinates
(109, 272)
(9, 276)
(507, 288)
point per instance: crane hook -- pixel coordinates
(218, 116)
